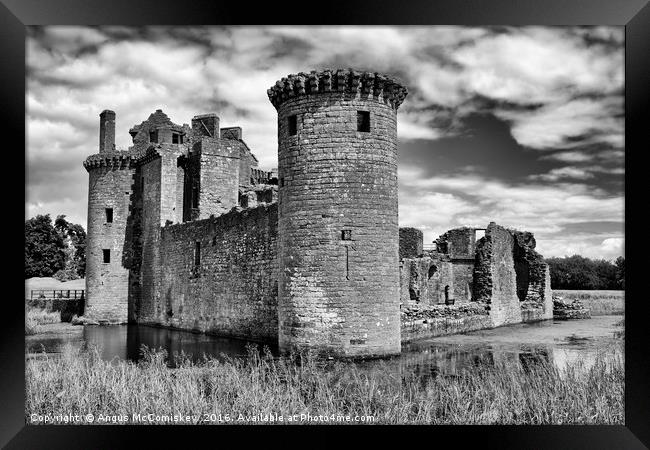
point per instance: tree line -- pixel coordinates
(54, 249)
(578, 272)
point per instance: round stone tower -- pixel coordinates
(338, 236)
(110, 188)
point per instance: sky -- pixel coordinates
(523, 126)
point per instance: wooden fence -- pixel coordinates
(53, 294)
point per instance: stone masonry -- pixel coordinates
(186, 231)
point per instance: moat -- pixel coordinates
(559, 342)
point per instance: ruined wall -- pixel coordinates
(110, 186)
(410, 242)
(423, 280)
(338, 295)
(494, 275)
(458, 243)
(533, 278)
(420, 321)
(233, 290)
(463, 280)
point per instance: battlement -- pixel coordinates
(346, 81)
(115, 159)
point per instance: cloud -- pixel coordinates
(556, 91)
(440, 203)
(558, 124)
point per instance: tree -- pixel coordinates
(620, 272)
(44, 248)
(74, 237)
(578, 272)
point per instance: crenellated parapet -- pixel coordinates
(115, 159)
(346, 81)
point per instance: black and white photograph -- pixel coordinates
(325, 225)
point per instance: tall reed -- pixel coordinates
(80, 382)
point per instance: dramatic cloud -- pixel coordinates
(522, 126)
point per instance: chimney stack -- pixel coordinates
(206, 125)
(106, 131)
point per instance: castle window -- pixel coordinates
(214, 241)
(109, 215)
(292, 121)
(363, 121)
(197, 253)
(175, 139)
(243, 200)
(346, 235)
(107, 255)
(153, 136)
(195, 197)
(282, 181)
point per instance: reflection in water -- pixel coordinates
(126, 342)
(525, 345)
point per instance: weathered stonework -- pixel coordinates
(185, 231)
(500, 273)
(410, 243)
(338, 290)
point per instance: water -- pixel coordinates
(559, 342)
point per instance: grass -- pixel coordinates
(79, 382)
(35, 317)
(599, 302)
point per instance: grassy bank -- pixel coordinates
(599, 302)
(35, 317)
(79, 382)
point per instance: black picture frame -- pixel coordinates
(15, 15)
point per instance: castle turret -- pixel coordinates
(109, 193)
(338, 237)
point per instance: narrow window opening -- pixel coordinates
(432, 271)
(107, 255)
(109, 215)
(243, 200)
(363, 121)
(153, 136)
(347, 262)
(346, 235)
(214, 241)
(282, 181)
(175, 139)
(293, 125)
(195, 197)
(197, 253)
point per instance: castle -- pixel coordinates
(185, 231)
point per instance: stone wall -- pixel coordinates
(494, 275)
(458, 243)
(150, 225)
(423, 280)
(219, 176)
(233, 289)
(420, 322)
(410, 242)
(463, 279)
